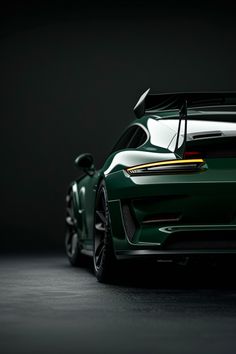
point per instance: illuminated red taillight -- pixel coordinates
(189, 154)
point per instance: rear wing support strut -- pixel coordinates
(183, 115)
(152, 103)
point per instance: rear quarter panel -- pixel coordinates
(84, 194)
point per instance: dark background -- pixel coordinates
(69, 78)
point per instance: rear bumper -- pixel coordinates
(176, 240)
(194, 240)
(176, 214)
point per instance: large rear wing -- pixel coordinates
(148, 103)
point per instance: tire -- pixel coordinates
(72, 242)
(104, 261)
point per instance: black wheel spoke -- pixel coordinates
(70, 216)
(73, 242)
(101, 215)
(69, 221)
(99, 247)
(104, 260)
(71, 236)
(68, 242)
(100, 229)
(100, 254)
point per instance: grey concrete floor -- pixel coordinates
(46, 306)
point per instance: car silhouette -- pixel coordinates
(166, 190)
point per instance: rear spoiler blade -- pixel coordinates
(148, 103)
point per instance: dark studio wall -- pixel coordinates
(70, 76)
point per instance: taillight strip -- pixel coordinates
(166, 163)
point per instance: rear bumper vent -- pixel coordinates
(162, 218)
(129, 221)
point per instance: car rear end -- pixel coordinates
(183, 206)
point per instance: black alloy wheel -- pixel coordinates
(103, 253)
(72, 238)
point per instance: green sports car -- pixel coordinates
(166, 190)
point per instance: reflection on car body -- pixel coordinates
(167, 188)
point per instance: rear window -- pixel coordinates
(200, 126)
(212, 138)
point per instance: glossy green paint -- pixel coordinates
(84, 192)
(204, 201)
